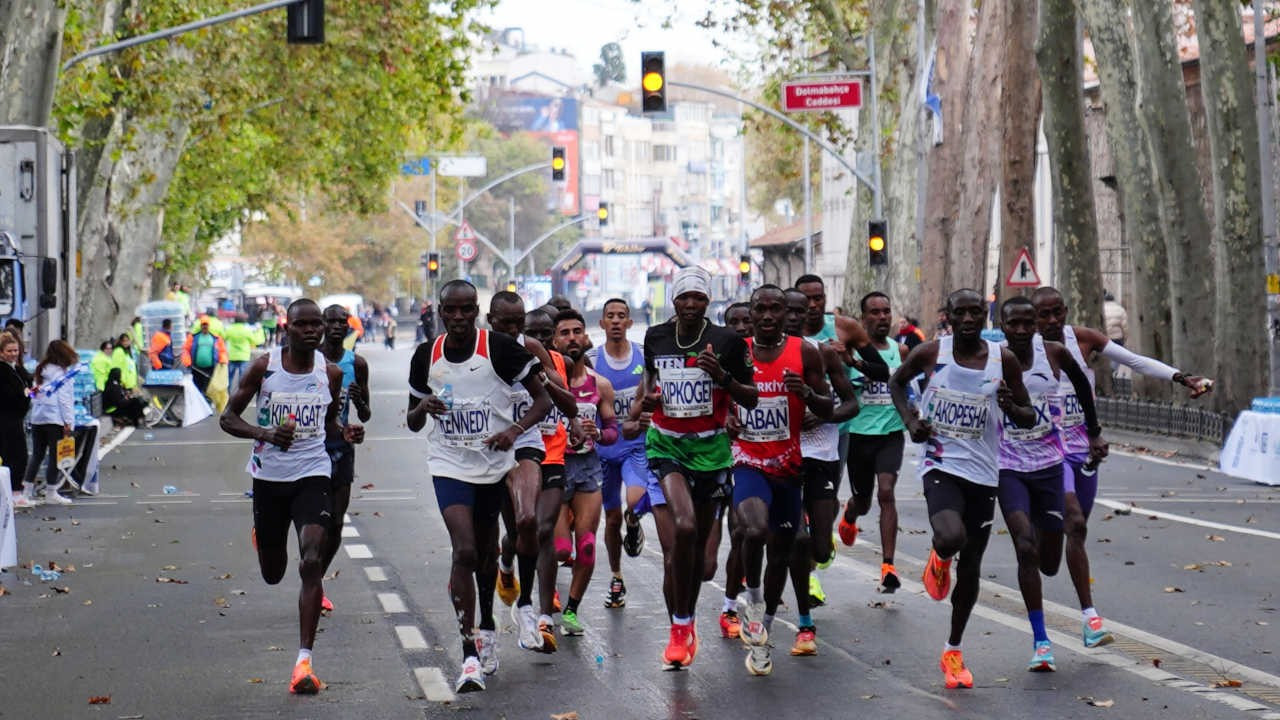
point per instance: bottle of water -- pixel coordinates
(446, 397)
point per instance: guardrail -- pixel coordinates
(1121, 409)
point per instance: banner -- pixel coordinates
(8, 533)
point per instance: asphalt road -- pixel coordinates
(1184, 579)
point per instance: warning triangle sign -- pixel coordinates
(464, 232)
(1023, 273)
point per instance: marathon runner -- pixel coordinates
(355, 390)
(623, 464)
(465, 379)
(737, 317)
(582, 470)
(1031, 463)
(297, 394)
(692, 371)
(875, 443)
(1081, 476)
(768, 488)
(960, 469)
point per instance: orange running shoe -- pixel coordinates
(677, 653)
(729, 624)
(806, 642)
(304, 680)
(889, 581)
(547, 629)
(253, 537)
(508, 587)
(693, 643)
(555, 602)
(937, 576)
(954, 673)
(848, 531)
(326, 605)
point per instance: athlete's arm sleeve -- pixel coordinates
(735, 362)
(873, 365)
(512, 361)
(1138, 363)
(419, 371)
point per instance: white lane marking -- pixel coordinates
(434, 687)
(406, 498)
(231, 500)
(358, 552)
(115, 442)
(1204, 500)
(392, 603)
(85, 502)
(375, 491)
(1165, 461)
(411, 637)
(375, 574)
(184, 493)
(165, 502)
(346, 518)
(349, 531)
(1190, 520)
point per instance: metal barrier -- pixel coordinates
(1122, 410)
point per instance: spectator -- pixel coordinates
(941, 325)
(161, 349)
(389, 331)
(52, 418)
(427, 322)
(908, 333)
(137, 341)
(123, 358)
(1115, 319)
(267, 318)
(241, 339)
(100, 364)
(123, 406)
(14, 403)
(203, 352)
(14, 327)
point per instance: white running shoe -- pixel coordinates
(751, 616)
(52, 497)
(472, 677)
(526, 620)
(759, 659)
(20, 500)
(487, 648)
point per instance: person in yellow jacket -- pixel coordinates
(123, 357)
(100, 365)
(241, 339)
(203, 352)
(215, 323)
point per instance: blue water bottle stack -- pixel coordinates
(1267, 405)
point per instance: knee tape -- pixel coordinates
(587, 549)
(564, 548)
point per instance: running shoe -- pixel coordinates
(569, 624)
(693, 642)
(806, 642)
(889, 581)
(759, 660)
(729, 624)
(508, 586)
(253, 537)
(677, 654)
(547, 629)
(526, 620)
(617, 595)
(20, 500)
(751, 622)
(937, 576)
(954, 673)
(487, 650)
(53, 497)
(830, 558)
(304, 680)
(326, 605)
(1042, 660)
(817, 597)
(633, 539)
(1094, 634)
(848, 531)
(555, 602)
(472, 677)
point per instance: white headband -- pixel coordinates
(691, 279)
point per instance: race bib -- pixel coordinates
(521, 402)
(1072, 412)
(587, 411)
(1042, 428)
(768, 421)
(551, 423)
(876, 392)
(686, 392)
(307, 409)
(622, 400)
(466, 425)
(958, 415)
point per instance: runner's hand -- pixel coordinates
(733, 425)
(651, 401)
(1098, 449)
(1004, 397)
(577, 436)
(503, 441)
(645, 420)
(433, 405)
(795, 384)
(1198, 385)
(920, 430)
(589, 428)
(710, 364)
(810, 422)
(353, 433)
(281, 435)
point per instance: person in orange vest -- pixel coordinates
(203, 352)
(161, 349)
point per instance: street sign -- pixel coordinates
(466, 242)
(1023, 273)
(463, 166)
(416, 166)
(811, 96)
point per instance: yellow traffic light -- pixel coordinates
(876, 244)
(744, 267)
(603, 213)
(511, 287)
(652, 82)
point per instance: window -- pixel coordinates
(664, 153)
(608, 180)
(609, 149)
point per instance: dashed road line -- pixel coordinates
(392, 603)
(411, 637)
(434, 687)
(375, 574)
(358, 551)
(349, 531)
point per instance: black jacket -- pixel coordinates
(14, 402)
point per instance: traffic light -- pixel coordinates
(653, 82)
(602, 213)
(744, 269)
(433, 265)
(557, 164)
(877, 250)
(511, 287)
(305, 22)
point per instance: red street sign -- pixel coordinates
(1023, 273)
(810, 96)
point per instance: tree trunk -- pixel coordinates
(1167, 125)
(1075, 225)
(1020, 102)
(1232, 121)
(942, 203)
(1149, 324)
(981, 141)
(30, 46)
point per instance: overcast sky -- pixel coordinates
(582, 26)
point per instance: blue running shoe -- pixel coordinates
(1042, 660)
(1094, 634)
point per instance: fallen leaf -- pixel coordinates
(57, 652)
(1101, 703)
(100, 700)
(175, 581)
(1229, 682)
(1155, 662)
(1124, 511)
(255, 681)
(571, 715)
(876, 604)
(221, 602)
(1107, 517)
(1192, 566)
(169, 568)
(1263, 623)
(1215, 538)
(75, 522)
(1172, 589)
(1002, 531)
(223, 576)
(87, 602)
(367, 486)
(61, 590)
(3, 592)
(377, 514)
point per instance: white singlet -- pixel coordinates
(306, 397)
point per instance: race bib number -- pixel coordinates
(686, 392)
(622, 400)
(958, 415)
(466, 425)
(1042, 428)
(551, 423)
(307, 409)
(522, 401)
(876, 392)
(1072, 412)
(768, 421)
(587, 411)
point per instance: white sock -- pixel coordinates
(677, 620)
(1089, 613)
(729, 604)
(756, 595)
(303, 654)
(949, 646)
